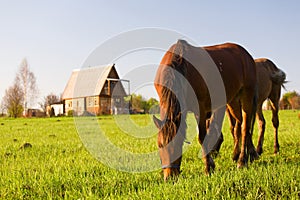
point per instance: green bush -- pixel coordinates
(70, 113)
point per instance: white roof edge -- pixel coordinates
(96, 66)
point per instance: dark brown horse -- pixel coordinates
(270, 79)
(185, 82)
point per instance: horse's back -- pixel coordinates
(266, 63)
(270, 78)
(239, 58)
(236, 67)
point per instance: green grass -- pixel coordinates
(59, 166)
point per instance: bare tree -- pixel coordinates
(27, 82)
(13, 100)
(2, 108)
(49, 100)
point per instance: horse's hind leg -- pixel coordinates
(231, 121)
(261, 126)
(235, 119)
(248, 108)
(275, 120)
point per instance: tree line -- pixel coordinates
(140, 105)
(24, 92)
(290, 100)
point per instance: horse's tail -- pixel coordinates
(278, 77)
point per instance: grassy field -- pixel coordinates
(59, 166)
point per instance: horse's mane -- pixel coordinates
(171, 86)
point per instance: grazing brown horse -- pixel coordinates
(184, 66)
(270, 79)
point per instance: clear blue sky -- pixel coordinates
(57, 36)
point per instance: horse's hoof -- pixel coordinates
(254, 156)
(208, 172)
(210, 167)
(259, 150)
(241, 165)
(276, 150)
(235, 157)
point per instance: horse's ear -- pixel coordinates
(158, 123)
(182, 42)
(182, 45)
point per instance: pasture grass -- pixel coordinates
(59, 166)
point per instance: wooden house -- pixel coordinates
(94, 90)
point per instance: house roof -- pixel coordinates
(86, 82)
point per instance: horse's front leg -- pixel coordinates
(215, 136)
(207, 159)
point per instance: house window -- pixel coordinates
(90, 102)
(96, 101)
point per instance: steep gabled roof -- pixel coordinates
(87, 82)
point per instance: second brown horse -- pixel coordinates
(270, 79)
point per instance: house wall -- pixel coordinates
(94, 104)
(68, 105)
(76, 105)
(58, 109)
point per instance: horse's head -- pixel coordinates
(169, 86)
(170, 143)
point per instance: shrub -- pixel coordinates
(70, 113)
